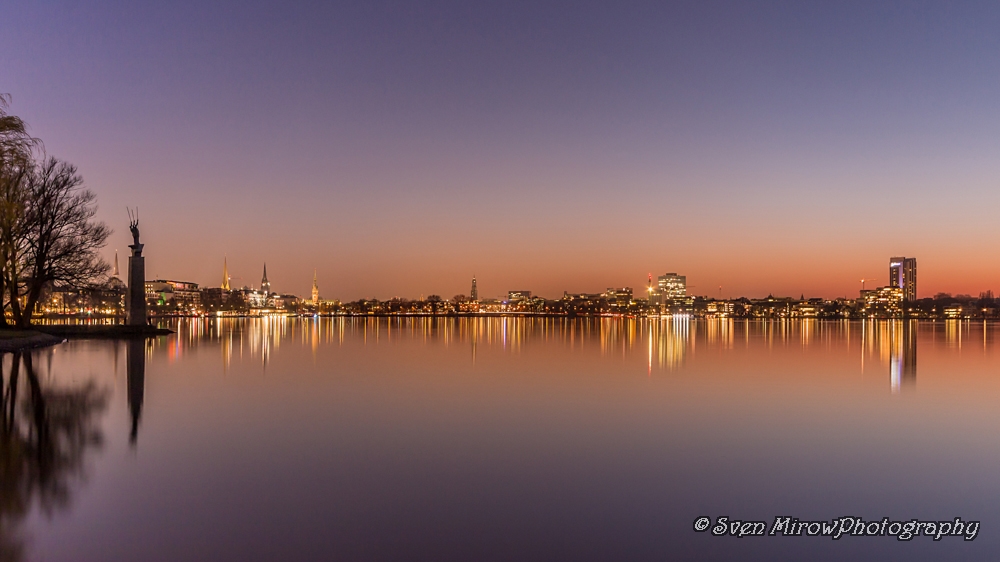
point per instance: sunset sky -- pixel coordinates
(401, 148)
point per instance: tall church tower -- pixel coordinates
(265, 285)
(116, 275)
(315, 291)
(475, 290)
(225, 276)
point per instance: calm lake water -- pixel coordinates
(501, 439)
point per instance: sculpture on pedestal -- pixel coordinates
(135, 296)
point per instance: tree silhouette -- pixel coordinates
(60, 240)
(43, 439)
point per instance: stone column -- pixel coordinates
(135, 296)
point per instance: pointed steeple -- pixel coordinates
(225, 276)
(315, 290)
(265, 285)
(116, 264)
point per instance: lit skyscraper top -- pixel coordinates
(903, 275)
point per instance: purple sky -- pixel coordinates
(401, 148)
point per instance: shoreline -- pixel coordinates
(20, 340)
(62, 328)
(100, 331)
(573, 316)
(14, 339)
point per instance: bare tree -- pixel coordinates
(59, 238)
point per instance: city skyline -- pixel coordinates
(902, 278)
(752, 147)
(669, 297)
(497, 291)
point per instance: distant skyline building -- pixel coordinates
(619, 296)
(116, 283)
(670, 294)
(882, 301)
(474, 295)
(903, 275)
(670, 286)
(315, 290)
(518, 296)
(225, 276)
(166, 291)
(265, 285)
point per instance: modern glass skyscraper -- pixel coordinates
(903, 275)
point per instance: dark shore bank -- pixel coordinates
(43, 336)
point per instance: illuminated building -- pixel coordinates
(672, 286)
(670, 295)
(518, 296)
(669, 287)
(583, 296)
(265, 285)
(619, 297)
(225, 276)
(808, 308)
(102, 300)
(158, 292)
(903, 275)
(953, 311)
(474, 295)
(772, 307)
(288, 302)
(181, 293)
(315, 290)
(720, 308)
(491, 305)
(254, 298)
(882, 301)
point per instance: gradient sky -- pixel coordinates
(400, 148)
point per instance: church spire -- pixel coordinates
(116, 264)
(225, 275)
(265, 285)
(315, 291)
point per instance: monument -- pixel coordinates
(135, 295)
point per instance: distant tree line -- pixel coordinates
(48, 234)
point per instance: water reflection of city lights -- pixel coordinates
(667, 341)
